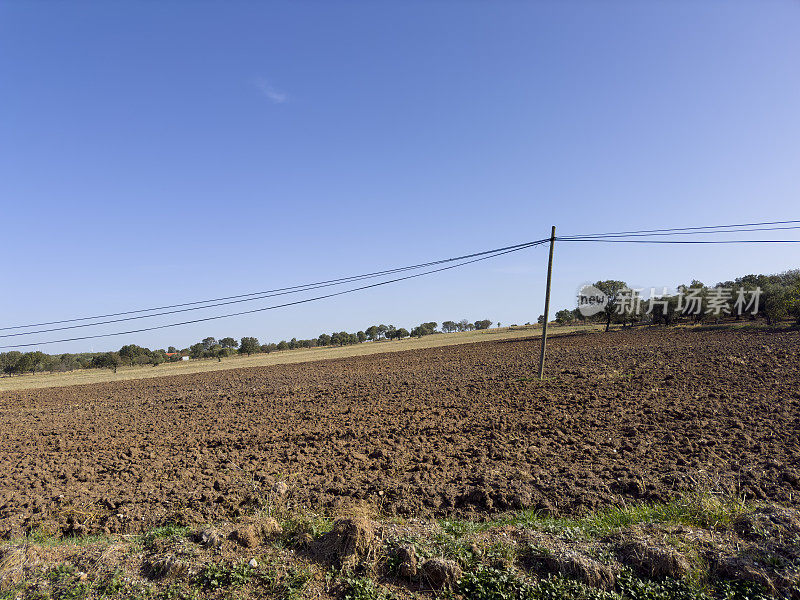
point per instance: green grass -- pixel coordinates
(65, 585)
(697, 510)
(311, 523)
(487, 583)
(46, 538)
(288, 584)
(224, 575)
(170, 531)
(362, 588)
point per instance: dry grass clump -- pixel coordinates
(351, 542)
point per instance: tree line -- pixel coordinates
(769, 297)
(15, 362)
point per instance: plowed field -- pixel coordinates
(631, 415)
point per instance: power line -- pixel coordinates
(679, 241)
(685, 229)
(612, 237)
(294, 303)
(629, 235)
(215, 302)
(253, 296)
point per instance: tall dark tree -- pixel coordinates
(31, 361)
(612, 289)
(564, 316)
(249, 345)
(107, 360)
(131, 352)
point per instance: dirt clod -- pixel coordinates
(440, 573)
(14, 562)
(771, 522)
(252, 533)
(408, 561)
(165, 567)
(580, 567)
(351, 541)
(743, 569)
(211, 538)
(653, 560)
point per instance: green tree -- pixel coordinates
(612, 289)
(9, 360)
(362, 337)
(342, 338)
(31, 361)
(564, 316)
(107, 360)
(664, 310)
(774, 302)
(372, 332)
(449, 326)
(131, 352)
(424, 329)
(228, 342)
(693, 301)
(484, 324)
(157, 357)
(249, 345)
(282, 345)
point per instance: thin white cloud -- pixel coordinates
(271, 93)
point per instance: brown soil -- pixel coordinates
(632, 415)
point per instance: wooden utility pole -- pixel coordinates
(547, 302)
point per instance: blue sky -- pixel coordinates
(153, 153)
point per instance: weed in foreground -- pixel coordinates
(166, 531)
(215, 576)
(699, 510)
(487, 583)
(362, 588)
